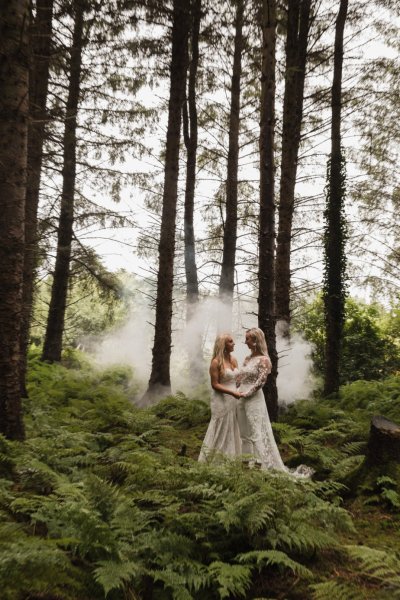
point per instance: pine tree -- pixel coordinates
(160, 381)
(335, 235)
(41, 34)
(14, 108)
(55, 324)
(190, 130)
(298, 25)
(266, 279)
(227, 279)
(190, 135)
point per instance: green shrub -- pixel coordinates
(371, 346)
(99, 501)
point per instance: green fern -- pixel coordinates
(335, 590)
(277, 559)
(33, 565)
(231, 579)
(184, 411)
(113, 575)
(378, 565)
(388, 491)
(182, 577)
(99, 484)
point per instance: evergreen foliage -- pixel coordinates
(370, 348)
(101, 501)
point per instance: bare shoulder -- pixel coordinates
(234, 362)
(214, 364)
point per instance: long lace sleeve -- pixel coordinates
(264, 367)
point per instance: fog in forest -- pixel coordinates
(131, 343)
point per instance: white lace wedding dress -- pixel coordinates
(254, 423)
(222, 436)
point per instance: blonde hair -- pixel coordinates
(219, 349)
(259, 338)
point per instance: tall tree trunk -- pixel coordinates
(14, 107)
(266, 278)
(190, 137)
(160, 380)
(227, 279)
(55, 324)
(335, 258)
(41, 32)
(298, 26)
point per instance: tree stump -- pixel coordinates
(382, 458)
(383, 443)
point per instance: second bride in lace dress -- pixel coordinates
(256, 433)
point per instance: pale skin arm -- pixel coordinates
(216, 385)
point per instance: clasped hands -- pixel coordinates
(238, 394)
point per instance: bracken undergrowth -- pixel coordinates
(104, 499)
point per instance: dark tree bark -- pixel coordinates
(160, 380)
(190, 135)
(14, 107)
(190, 129)
(334, 286)
(382, 458)
(55, 324)
(298, 26)
(227, 279)
(384, 442)
(266, 308)
(41, 32)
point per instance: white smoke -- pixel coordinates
(295, 379)
(131, 344)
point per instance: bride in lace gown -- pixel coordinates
(255, 427)
(222, 436)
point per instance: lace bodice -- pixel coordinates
(253, 374)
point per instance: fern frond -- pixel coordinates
(173, 581)
(354, 447)
(335, 590)
(112, 575)
(185, 412)
(328, 489)
(37, 476)
(378, 564)
(392, 498)
(231, 579)
(275, 558)
(31, 565)
(248, 512)
(204, 490)
(346, 465)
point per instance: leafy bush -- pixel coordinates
(371, 346)
(331, 433)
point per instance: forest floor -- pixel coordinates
(108, 500)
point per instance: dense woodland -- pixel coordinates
(256, 146)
